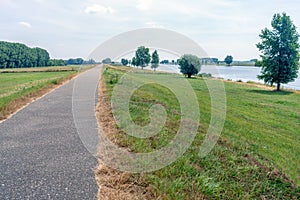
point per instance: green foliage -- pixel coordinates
(124, 62)
(15, 55)
(89, 62)
(205, 75)
(258, 63)
(142, 56)
(54, 82)
(228, 60)
(133, 61)
(76, 61)
(280, 48)
(165, 62)
(114, 78)
(155, 60)
(106, 61)
(56, 62)
(189, 65)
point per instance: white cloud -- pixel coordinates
(98, 9)
(222, 26)
(9, 3)
(152, 24)
(40, 1)
(223, 3)
(144, 4)
(25, 24)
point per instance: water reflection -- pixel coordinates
(233, 73)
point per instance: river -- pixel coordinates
(233, 73)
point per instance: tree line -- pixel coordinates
(71, 61)
(16, 55)
(141, 59)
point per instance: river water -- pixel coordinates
(233, 73)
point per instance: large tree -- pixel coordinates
(142, 56)
(280, 48)
(228, 60)
(155, 60)
(189, 65)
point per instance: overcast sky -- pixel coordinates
(75, 28)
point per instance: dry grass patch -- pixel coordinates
(113, 184)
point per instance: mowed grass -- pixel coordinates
(17, 86)
(257, 156)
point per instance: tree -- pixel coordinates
(56, 62)
(76, 61)
(155, 60)
(215, 61)
(42, 56)
(133, 61)
(124, 62)
(142, 56)
(89, 62)
(189, 65)
(280, 49)
(106, 61)
(165, 62)
(258, 63)
(228, 60)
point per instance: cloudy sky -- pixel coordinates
(75, 28)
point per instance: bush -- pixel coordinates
(54, 82)
(205, 75)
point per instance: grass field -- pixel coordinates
(257, 156)
(18, 86)
(45, 69)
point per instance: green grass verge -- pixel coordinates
(17, 84)
(257, 156)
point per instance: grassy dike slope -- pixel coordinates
(257, 156)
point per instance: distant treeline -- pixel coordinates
(16, 55)
(71, 61)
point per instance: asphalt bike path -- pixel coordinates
(41, 153)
